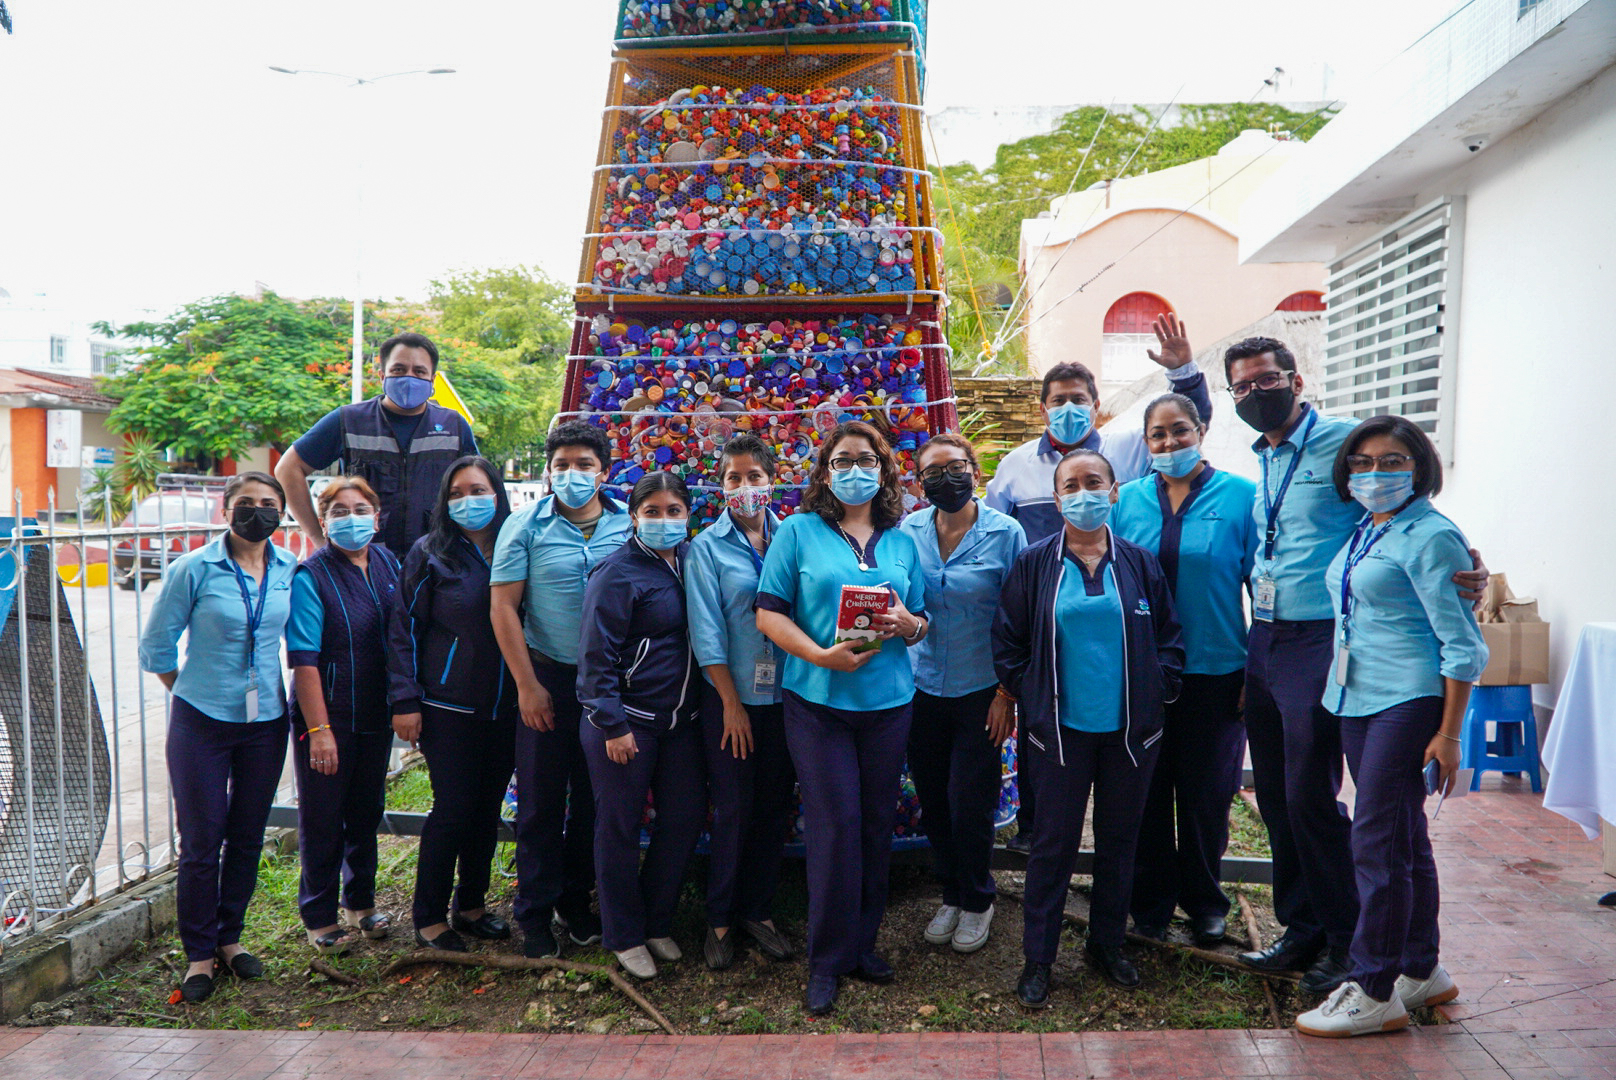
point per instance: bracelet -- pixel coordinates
(920, 627)
(1450, 738)
(312, 730)
(1002, 692)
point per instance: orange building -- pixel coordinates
(27, 397)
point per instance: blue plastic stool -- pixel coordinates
(1513, 749)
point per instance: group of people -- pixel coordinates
(1093, 603)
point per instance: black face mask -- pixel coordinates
(948, 492)
(1267, 410)
(255, 523)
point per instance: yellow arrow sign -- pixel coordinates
(443, 392)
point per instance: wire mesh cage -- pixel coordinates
(670, 388)
(762, 175)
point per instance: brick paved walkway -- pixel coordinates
(1534, 957)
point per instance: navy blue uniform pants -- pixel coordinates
(956, 771)
(638, 902)
(223, 777)
(336, 824)
(1185, 828)
(1026, 790)
(753, 800)
(1099, 761)
(555, 809)
(1391, 848)
(848, 767)
(1296, 762)
(469, 758)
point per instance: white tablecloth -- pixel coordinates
(1580, 752)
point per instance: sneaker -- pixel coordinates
(972, 933)
(665, 949)
(1438, 989)
(537, 941)
(583, 927)
(637, 962)
(940, 931)
(1349, 1011)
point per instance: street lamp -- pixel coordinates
(358, 361)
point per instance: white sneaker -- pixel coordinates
(1436, 990)
(940, 931)
(665, 949)
(637, 962)
(972, 932)
(1350, 1011)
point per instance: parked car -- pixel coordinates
(170, 510)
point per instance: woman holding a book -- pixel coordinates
(1086, 638)
(842, 594)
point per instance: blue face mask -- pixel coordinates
(472, 512)
(856, 486)
(1175, 463)
(1069, 424)
(574, 487)
(352, 532)
(1086, 510)
(1381, 492)
(660, 534)
(406, 391)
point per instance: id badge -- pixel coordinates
(1342, 656)
(1262, 599)
(252, 701)
(764, 673)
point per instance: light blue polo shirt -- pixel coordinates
(201, 598)
(538, 546)
(807, 565)
(1090, 651)
(721, 582)
(1408, 627)
(1213, 539)
(1313, 521)
(962, 596)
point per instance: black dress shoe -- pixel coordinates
(1032, 989)
(872, 969)
(488, 926)
(448, 941)
(1154, 933)
(1286, 954)
(196, 989)
(1117, 969)
(583, 927)
(1329, 972)
(719, 952)
(539, 942)
(821, 996)
(1021, 842)
(243, 965)
(1208, 929)
(771, 943)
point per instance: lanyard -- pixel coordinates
(1271, 504)
(1354, 557)
(253, 618)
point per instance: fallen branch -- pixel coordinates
(523, 963)
(149, 1016)
(344, 997)
(1255, 935)
(322, 968)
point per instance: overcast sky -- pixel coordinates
(148, 156)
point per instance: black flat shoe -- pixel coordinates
(1208, 929)
(1154, 933)
(448, 941)
(1115, 968)
(1032, 989)
(1286, 954)
(719, 952)
(539, 942)
(872, 969)
(243, 965)
(821, 996)
(196, 989)
(771, 943)
(1020, 842)
(488, 926)
(1330, 972)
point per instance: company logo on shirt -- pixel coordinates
(437, 427)
(1307, 476)
(1143, 608)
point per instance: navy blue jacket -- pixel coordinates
(635, 666)
(352, 658)
(407, 479)
(1024, 643)
(441, 646)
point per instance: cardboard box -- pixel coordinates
(1519, 653)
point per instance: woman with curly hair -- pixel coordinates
(847, 703)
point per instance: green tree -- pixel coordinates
(981, 210)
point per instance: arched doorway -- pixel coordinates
(1125, 336)
(1302, 301)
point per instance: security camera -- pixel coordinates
(1473, 143)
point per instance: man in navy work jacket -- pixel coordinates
(400, 442)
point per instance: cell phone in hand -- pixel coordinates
(1433, 776)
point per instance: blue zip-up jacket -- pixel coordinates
(441, 646)
(1024, 643)
(339, 628)
(635, 666)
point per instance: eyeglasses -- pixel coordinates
(337, 513)
(864, 461)
(1268, 380)
(1385, 462)
(957, 467)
